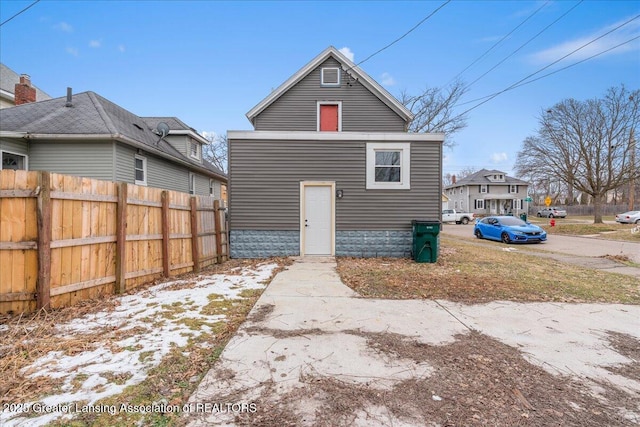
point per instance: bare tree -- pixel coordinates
(433, 110)
(586, 145)
(217, 150)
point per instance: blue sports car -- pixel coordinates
(508, 229)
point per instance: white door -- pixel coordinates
(317, 220)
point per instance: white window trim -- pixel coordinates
(212, 187)
(513, 189)
(338, 103)
(483, 189)
(144, 169)
(405, 166)
(192, 183)
(480, 202)
(198, 155)
(26, 158)
(323, 83)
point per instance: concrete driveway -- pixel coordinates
(309, 330)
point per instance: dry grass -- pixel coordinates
(626, 232)
(25, 339)
(468, 273)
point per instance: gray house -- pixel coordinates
(330, 168)
(88, 135)
(17, 89)
(488, 192)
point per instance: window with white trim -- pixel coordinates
(483, 188)
(480, 204)
(513, 188)
(194, 149)
(455, 204)
(329, 116)
(330, 76)
(517, 204)
(140, 170)
(192, 183)
(13, 161)
(212, 187)
(388, 166)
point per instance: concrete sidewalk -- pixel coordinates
(308, 324)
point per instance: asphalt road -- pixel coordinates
(587, 251)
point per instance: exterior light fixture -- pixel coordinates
(339, 194)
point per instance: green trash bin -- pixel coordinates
(523, 216)
(426, 240)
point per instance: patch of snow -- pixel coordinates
(139, 352)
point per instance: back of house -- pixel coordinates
(330, 168)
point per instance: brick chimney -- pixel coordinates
(453, 179)
(24, 93)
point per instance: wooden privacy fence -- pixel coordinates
(64, 239)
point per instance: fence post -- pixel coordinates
(43, 285)
(121, 238)
(165, 234)
(195, 247)
(216, 219)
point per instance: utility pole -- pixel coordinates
(632, 171)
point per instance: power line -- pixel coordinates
(23, 10)
(498, 42)
(526, 43)
(520, 82)
(579, 62)
(405, 34)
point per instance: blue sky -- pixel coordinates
(209, 62)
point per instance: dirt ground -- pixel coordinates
(476, 381)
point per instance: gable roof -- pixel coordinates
(92, 117)
(480, 178)
(349, 67)
(8, 81)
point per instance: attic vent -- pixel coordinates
(330, 77)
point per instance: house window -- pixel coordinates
(480, 204)
(330, 76)
(513, 189)
(455, 204)
(460, 190)
(212, 188)
(388, 166)
(483, 188)
(192, 183)
(194, 149)
(140, 170)
(329, 116)
(516, 204)
(13, 161)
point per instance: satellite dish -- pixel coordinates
(162, 129)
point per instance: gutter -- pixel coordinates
(117, 137)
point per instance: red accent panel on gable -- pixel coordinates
(329, 118)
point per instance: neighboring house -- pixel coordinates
(445, 201)
(488, 192)
(88, 135)
(17, 89)
(330, 168)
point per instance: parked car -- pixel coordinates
(508, 229)
(451, 215)
(552, 212)
(631, 217)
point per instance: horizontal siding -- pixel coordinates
(88, 159)
(265, 177)
(296, 109)
(14, 146)
(161, 173)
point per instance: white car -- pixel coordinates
(631, 217)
